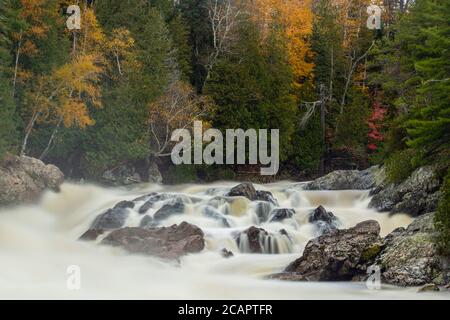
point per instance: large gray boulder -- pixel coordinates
(418, 194)
(23, 179)
(337, 255)
(410, 257)
(166, 242)
(346, 180)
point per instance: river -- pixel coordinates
(39, 242)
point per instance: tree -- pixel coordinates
(177, 108)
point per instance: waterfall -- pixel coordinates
(39, 242)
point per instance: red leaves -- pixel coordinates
(375, 124)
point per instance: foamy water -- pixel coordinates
(39, 242)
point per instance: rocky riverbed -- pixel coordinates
(285, 240)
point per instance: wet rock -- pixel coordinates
(430, 287)
(147, 222)
(213, 213)
(281, 214)
(23, 179)
(267, 196)
(166, 242)
(151, 199)
(248, 191)
(226, 253)
(335, 256)
(250, 240)
(418, 194)
(346, 180)
(410, 256)
(324, 220)
(121, 175)
(245, 189)
(168, 209)
(124, 205)
(111, 219)
(320, 214)
(91, 234)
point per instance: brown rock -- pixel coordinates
(166, 242)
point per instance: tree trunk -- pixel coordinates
(50, 141)
(16, 65)
(28, 132)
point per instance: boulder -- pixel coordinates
(418, 194)
(166, 242)
(122, 175)
(248, 191)
(111, 219)
(324, 220)
(176, 206)
(124, 205)
(266, 196)
(346, 180)
(250, 240)
(245, 189)
(23, 179)
(337, 255)
(280, 214)
(151, 199)
(410, 256)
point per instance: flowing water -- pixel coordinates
(39, 242)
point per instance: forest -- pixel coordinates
(342, 95)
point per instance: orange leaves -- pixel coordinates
(75, 112)
(296, 19)
(77, 82)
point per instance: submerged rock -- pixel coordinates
(247, 190)
(111, 219)
(280, 214)
(226, 253)
(418, 194)
(429, 288)
(124, 205)
(165, 242)
(258, 240)
(266, 196)
(174, 207)
(346, 180)
(337, 255)
(324, 220)
(23, 179)
(250, 240)
(215, 214)
(410, 256)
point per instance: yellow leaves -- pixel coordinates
(92, 34)
(75, 112)
(77, 82)
(296, 19)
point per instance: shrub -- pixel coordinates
(399, 165)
